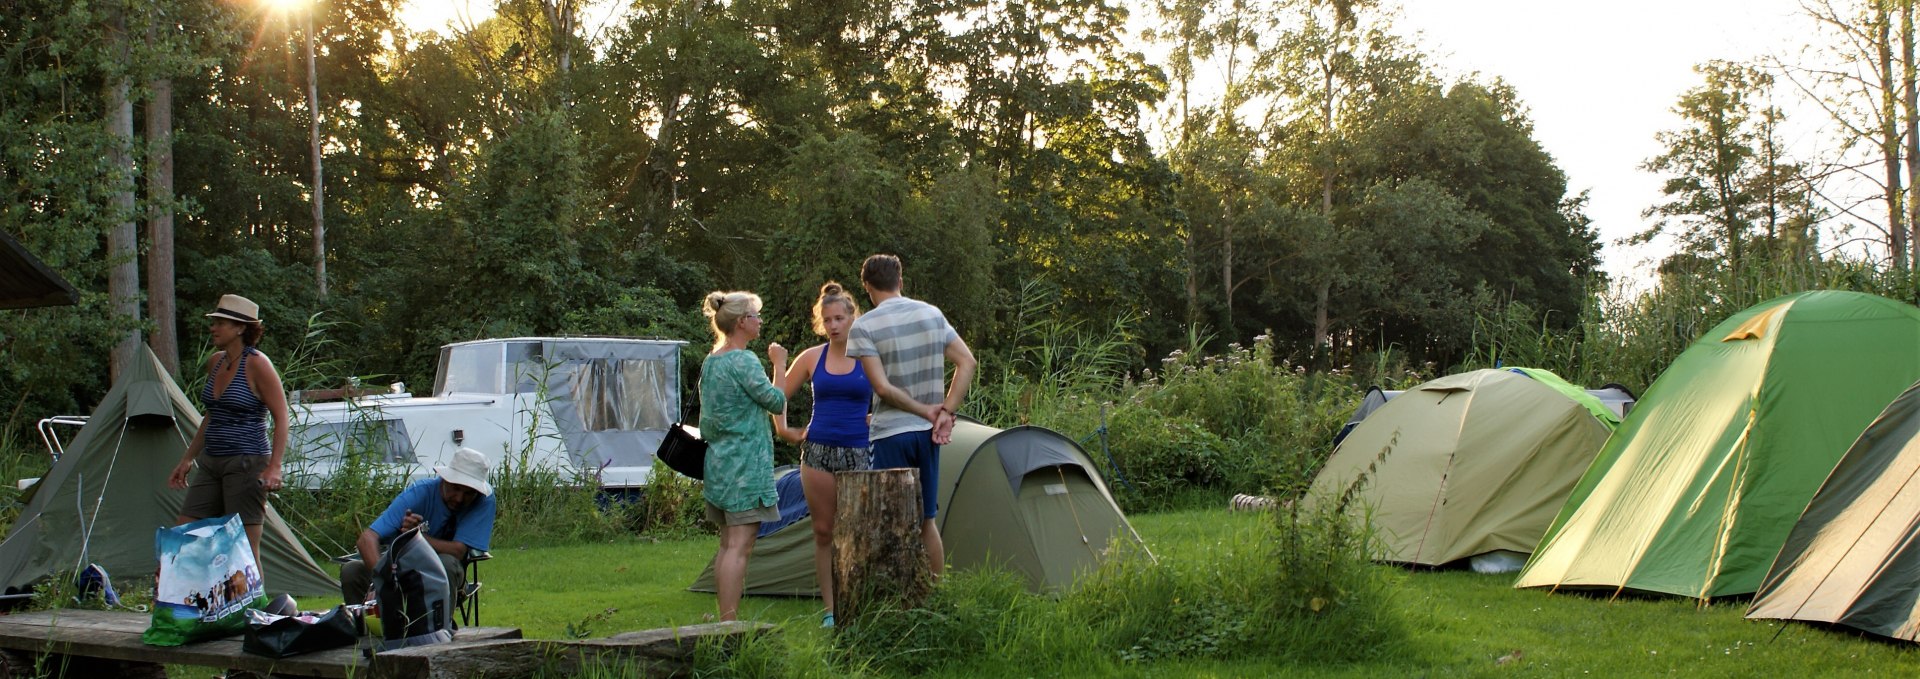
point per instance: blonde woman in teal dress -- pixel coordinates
(736, 400)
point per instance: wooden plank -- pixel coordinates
(115, 635)
(665, 652)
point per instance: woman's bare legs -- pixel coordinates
(822, 502)
(730, 566)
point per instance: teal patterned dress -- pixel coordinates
(736, 397)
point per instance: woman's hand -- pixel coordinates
(777, 354)
(178, 479)
(271, 477)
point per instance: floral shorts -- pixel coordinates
(835, 458)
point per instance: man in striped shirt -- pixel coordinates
(904, 345)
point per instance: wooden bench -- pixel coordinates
(107, 643)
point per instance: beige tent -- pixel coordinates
(105, 497)
(1464, 465)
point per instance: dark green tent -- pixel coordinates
(1696, 491)
(1850, 559)
(1024, 499)
(103, 499)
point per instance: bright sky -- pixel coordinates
(1599, 77)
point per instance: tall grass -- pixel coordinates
(1295, 588)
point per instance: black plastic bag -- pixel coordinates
(683, 451)
(278, 636)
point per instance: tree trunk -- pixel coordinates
(1890, 134)
(123, 279)
(319, 181)
(165, 338)
(1226, 260)
(1322, 335)
(878, 559)
(1907, 71)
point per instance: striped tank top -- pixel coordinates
(236, 423)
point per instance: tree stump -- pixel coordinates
(879, 561)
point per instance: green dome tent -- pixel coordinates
(103, 499)
(1467, 464)
(1024, 499)
(1696, 491)
(1849, 560)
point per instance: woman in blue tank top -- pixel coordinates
(835, 438)
(239, 463)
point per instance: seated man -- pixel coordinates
(458, 510)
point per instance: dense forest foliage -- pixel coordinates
(1294, 169)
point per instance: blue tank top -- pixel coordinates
(840, 404)
(236, 422)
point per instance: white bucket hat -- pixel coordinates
(237, 308)
(469, 468)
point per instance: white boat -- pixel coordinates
(590, 408)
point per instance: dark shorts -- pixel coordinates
(227, 484)
(913, 450)
(828, 458)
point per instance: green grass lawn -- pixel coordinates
(1456, 623)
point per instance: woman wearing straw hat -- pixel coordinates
(238, 464)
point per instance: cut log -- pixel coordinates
(879, 561)
(666, 652)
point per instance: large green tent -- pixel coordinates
(1696, 491)
(1467, 464)
(1024, 499)
(105, 496)
(1850, 559)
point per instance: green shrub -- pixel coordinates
(1297, 587)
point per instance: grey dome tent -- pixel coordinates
(1850, 559)
(1024, 499)
(103, 499)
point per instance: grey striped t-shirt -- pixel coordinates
(910, 337)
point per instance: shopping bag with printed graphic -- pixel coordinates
(207, 580)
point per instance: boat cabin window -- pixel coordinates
(615, 394)
(471, 368)
(384, 440)
(526, 367)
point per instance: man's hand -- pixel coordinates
(943, 428)
(410, 521)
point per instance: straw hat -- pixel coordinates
(237, 308)
(469, 468)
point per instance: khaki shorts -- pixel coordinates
(724, 518)
(227, 484)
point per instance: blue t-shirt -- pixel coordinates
(472, 527)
